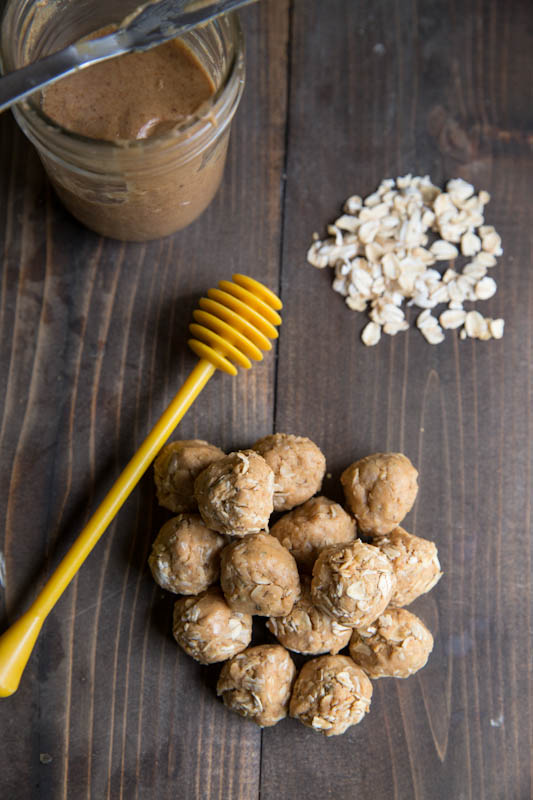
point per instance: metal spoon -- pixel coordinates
(151, 25)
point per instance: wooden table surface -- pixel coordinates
(339, 95)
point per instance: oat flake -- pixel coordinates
(394, 248)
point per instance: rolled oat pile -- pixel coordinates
(388, 249)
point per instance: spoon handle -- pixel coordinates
(17, 85)
(156, 23)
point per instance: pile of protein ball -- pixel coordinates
(320, 587)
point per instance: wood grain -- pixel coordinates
(427, 88)
(339, 95)
(92, 350)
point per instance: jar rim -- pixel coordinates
(189, 130)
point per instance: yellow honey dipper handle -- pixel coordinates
(17, 642)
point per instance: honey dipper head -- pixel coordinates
(235, 323)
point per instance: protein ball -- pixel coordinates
(380, 490)
(257, 684)
(208, 629)
(235, 494)
(259, 576)
(352, 583)
(396, 645)
(415, 562)
(306, 530)
(176, 468)
(298, 465)
(307, 629)
(331, 693)
(185, 556)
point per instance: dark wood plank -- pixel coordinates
(379, 89)
(92, 349)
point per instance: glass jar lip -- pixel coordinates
(190, 129)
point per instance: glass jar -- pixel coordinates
(136, 190)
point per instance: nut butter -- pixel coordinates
(135, 147)
(134, 96)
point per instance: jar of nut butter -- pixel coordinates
(135, 147)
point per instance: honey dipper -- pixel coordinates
(233, 324)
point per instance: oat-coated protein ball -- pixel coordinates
(259, 576)
(298, 465)
(396, 645)
(257, 683)
(380, 490)
(176, 468)
(415, 563)
(185, 556)
(235, 494)
(208, 629)
(331, 693)
(316, 524)
(307, 629)
(353, 583)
